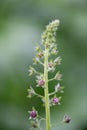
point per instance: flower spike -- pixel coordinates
(44, 56)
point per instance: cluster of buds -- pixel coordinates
(34, 118)
(49, 65)
(36, 60)
(40, 53)
(48, 36)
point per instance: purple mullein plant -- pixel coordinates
(42, 57)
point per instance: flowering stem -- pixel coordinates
(47, 107)
(42, 57)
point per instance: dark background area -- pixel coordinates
(21, 25)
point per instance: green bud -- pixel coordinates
(58, 76)
(58, 60)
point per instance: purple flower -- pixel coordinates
(33, 114)
(67, 119)
(55, 100)
(41, 82)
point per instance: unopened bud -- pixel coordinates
(41, 82)
(57, 60)
(40, 54)
(58, 76)
(33, 114)
(67, 119)
(55, 101)
(57, 87)
(34, 124)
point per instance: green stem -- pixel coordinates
(39, 95)
(52, 93)
(51, 79)
(46, 91)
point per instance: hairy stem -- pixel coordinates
(46, 90)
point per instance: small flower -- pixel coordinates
(58, 60)
(58, 76)
(52, 45)
(40, 54)
(66, 119)
(54, 51)
(31, 92)
(51, 66)
(38, 49)
(41, 82)
(34, 124)
(33, 114)
(36, 60)
(31, 71)
(57, 87)
(55, 101)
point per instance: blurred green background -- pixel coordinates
(21, 25)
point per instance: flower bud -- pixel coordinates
(57, 87)
(54, 51)
(51, 66)
(57, 61)
(33, 114)
(41, 82)
(55, 101)
(67, 119)
(34, 124)
(31, 92)
(58, 76)
(36, 60)
(38, 49)
(31, 71)
(40, 54)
